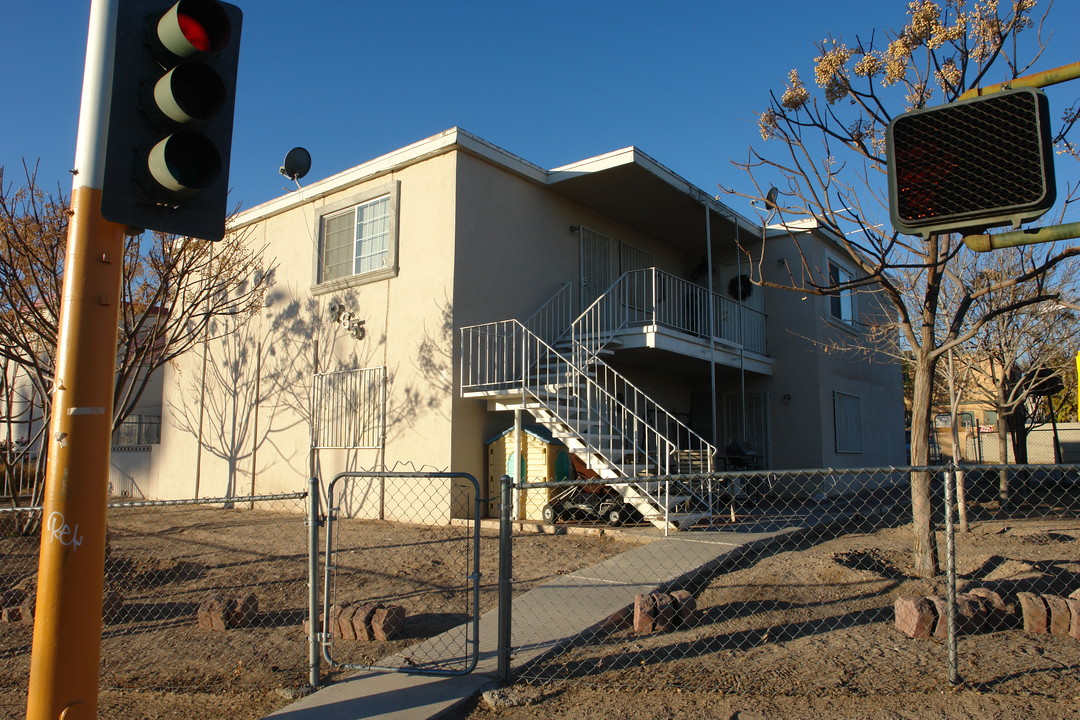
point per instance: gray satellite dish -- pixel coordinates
(297, 163)
(770, 199)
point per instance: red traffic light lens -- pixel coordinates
(192, 27)
(195, 33)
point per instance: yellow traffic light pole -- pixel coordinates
(67, 624)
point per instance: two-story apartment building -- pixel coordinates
(425, 297)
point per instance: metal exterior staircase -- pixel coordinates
(563, 382)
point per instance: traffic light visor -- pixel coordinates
(191, 27)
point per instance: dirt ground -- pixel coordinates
(809, 633)
(158, 663)
(804, 632)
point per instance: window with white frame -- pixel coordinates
(847, 422)
(841, 302)
(358, 240)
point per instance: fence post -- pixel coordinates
(313, 582)
(506, 568)
(950, 576)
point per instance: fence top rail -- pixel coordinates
(168, 503)
(409, 474)
(734, 474)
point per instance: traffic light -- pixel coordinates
(171, 116)
(972, 164)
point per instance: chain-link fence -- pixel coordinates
(792, 583)
(1049, 443)
(805, 584)
(201, 597)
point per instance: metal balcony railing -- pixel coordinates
(653, 298)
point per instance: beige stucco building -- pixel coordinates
(424, 298)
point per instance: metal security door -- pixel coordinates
(377, 586)
(597, 265)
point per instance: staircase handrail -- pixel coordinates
(553, 319)
(625, 419)
(680, 427)
(592, 329)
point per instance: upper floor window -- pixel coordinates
(841, 302)
(358, 240)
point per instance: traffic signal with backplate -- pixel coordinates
(972, 164)
(171, 116)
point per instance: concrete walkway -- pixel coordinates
(550, 615)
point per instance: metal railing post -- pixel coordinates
(950, 577)
(313, 582)
(506, 569)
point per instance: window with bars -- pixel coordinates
(349, 409)
(137, 431)
(847, 421)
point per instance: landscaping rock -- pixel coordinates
(388, 622)
(1074, 606)
(1035, 613)
(13, 597)
(972, 613)
(662, 612)
(915, 616)
(998, 610)
(1060, 616)
(223, 612)
(644, 613)
(343, 621)
(362, 622)
(685, 605)
(941, 617)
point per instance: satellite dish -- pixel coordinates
(297, 163)
(770, 199)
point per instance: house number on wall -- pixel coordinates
(346, 319)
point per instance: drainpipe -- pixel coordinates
(742, 337)
(711, 319)
(202, 391)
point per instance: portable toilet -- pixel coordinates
(544, 459)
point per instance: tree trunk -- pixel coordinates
(924, 549)
(1003, 458)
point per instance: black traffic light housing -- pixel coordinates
(972, 164)
(171, 116)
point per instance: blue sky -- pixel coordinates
(552, 82)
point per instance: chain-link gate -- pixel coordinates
(406, 607)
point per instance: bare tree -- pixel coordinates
(831, 167)
(173, 291)
(1015, 350)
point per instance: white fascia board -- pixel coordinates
(454, 138)
(633, 155)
